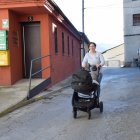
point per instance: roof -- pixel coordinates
(66, 20)
(48, 5)
(83, 36)
(112, 48)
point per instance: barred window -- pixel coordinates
(72, 48)
(56, 40)
(63, 49)
(136, 20)
(68, 41)
(54, 30)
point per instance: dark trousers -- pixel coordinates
(99, 78)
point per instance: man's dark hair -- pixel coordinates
(92, 43)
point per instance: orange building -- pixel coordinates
(37, 28)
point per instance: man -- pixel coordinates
(94, 60)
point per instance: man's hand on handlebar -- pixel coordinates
(98, 66)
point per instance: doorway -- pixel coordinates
(31, 48)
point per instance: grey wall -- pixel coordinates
(131, 33)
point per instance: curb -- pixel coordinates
(25, 102)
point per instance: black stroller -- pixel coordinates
(85, 98)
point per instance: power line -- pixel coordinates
(106, 5)
(112, 5)
(103, 7)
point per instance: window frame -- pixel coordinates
(72, 47)
(136, 19)
(63, 43)
(56, 39)
(68, 43)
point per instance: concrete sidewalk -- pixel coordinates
(13, 97)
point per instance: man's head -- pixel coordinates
(92, 47)
(92, 44)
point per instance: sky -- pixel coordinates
(103, 20)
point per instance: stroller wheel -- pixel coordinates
(74, 113)
(101, 106)
(89, 115)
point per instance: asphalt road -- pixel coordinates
(52, 118)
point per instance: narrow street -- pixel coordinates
(52, 118)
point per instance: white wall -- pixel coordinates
(115, 57)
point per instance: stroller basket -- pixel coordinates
(84, 103)
(85, 89)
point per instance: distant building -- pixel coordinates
(114, 57)
(131, 10)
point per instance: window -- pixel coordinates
(55, 40)
(54, 30)
(72, 48)
(68, 41)
(136, 20)
(63, 49)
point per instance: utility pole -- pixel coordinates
(83, 27)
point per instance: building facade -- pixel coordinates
(34, 29)
(131, 10)
(114, 57)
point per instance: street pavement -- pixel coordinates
(52, 118)
(13, 97)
